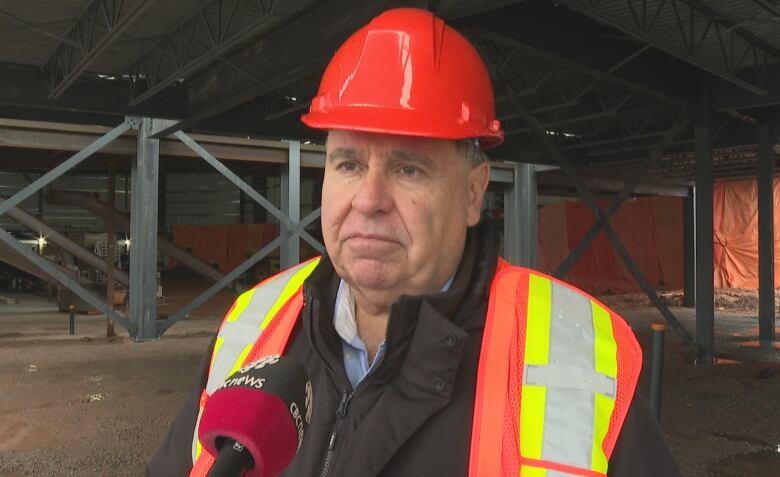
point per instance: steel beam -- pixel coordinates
(75, 137)
(705, 287)
(53, 236)
(101, 210)
(728, 96)
(560, 181)
(766, 234)
(604, 142)
(50, 176)
(97, 101)
(525, 185)
(291, 204)
(241, 184)
(696, 25)
(583, 47)
(628, 188)
(39, 27)
(110, 244)
(93, 34)
(689, 253)
(607, 112)
(234, 274)
(212, 290)
(12, 258)
(61, 277)
(180, 53)
(143, 225)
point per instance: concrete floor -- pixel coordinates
(90, 406)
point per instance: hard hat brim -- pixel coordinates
(403, 123)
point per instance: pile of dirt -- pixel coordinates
(726, 299)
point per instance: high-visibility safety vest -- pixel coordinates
(557, 371)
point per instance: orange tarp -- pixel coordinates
(651, 230)
(649, 227)
(735, 222)
(224, 246)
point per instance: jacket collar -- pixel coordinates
(461, 309)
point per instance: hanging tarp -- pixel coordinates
(735, 222)
(224, 246)
(651, 230)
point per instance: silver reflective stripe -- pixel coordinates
(567, 377)
(244, 330)
(571, 380)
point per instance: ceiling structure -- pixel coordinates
(607, 79)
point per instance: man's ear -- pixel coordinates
(478, 181)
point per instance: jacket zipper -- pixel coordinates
(346, 395)
(341, 412)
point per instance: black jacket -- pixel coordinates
(413, 414)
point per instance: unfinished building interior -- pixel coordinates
(153, 165)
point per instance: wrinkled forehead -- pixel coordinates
(363, 144)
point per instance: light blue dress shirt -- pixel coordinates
(355, 352)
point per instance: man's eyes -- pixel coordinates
(347, 166)
(409, 170)
(351, 167)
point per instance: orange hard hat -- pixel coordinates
(408, 73)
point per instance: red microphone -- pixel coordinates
(254, 423)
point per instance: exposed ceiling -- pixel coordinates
(607, 79)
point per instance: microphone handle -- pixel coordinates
(233, 460)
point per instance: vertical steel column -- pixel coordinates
(291, 204)
(689, 253)
(110, 244)
(705, 293)
(528, 212)
(143, 226)
(766, 234)
(161, 207)
(520, 217)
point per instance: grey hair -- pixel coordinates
(470, 150)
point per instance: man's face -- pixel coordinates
(395, 210)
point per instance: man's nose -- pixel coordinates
(374, 195)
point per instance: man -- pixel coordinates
(428, 355)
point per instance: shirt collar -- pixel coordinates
(344, 313)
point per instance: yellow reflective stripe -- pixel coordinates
(198, 449)
(537, 331)
(602, 407)
(217, 345)
(241, 303)
(531, 471)
(292, 286)
(240, 359)
(532, 406)
(537, 351)
(198, 445)
(604, 346)
(605, 349)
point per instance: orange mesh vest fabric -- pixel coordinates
(498, 398)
